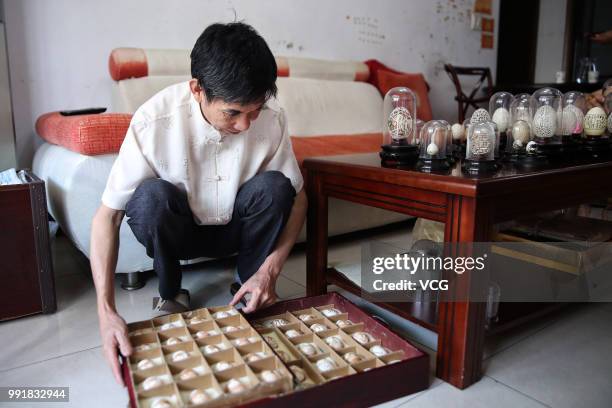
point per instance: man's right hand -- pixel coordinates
(114, 338)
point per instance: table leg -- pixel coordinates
(316, 236)
(461, 324)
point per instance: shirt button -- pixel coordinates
(218, 178)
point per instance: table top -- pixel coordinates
(508, 178)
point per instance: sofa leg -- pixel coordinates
(132, 281)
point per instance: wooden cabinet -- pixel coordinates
(26, 271)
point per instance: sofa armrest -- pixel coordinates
(85, 134)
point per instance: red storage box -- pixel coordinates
(403, 371)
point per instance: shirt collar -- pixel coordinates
(201, 125)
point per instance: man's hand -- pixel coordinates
(602, 38)
(114, 337)
(261, 286)
(595, 99)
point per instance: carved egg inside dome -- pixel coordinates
(501, 117)
(545, 122)
(480, 115)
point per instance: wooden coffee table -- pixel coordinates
(468, 207)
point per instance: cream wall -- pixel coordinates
(58, 49)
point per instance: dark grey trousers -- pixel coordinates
(159, 215)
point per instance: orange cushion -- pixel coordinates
(416, 82)
(333, 145)
(85, 134)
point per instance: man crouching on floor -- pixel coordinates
(206, 170)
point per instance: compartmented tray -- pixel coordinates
(320, 349)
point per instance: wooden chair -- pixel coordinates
(465, 101)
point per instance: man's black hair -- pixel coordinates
(233, 62)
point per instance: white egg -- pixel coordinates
(480, 115)
(545, 122)
(610, 123)
(520, 132)
(458, 131)
(595, 122)
(532, 147)
(326, 364)
(501, 117)
(432, 149)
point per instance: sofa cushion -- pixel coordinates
(322, 107)
(388, 80)
(332, 145)
(385, 78)
(124, 63)
(129, 94)
(85, 134)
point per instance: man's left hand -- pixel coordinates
(261, 286)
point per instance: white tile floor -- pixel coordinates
(564, 360)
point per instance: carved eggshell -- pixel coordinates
(145, 364)
(162, 402)
(545, 121)
(292, 333)
(379, 351)
(151, 382)
(521, 131)
(308, 348)
(480, 115)
(210, 349)
(198, 397)
(501, 117)
(318, 327)
(330, 312)
(610, 123)
(532, 147)
(326, 364)
(235, 386)
(362, 337)
(269, 376)
(432, 149)
(275, 323)
(335, 342)
(595, 122)
(187, 374)
(579, 117)
(458, 131)
(179, 355)
(569, 121)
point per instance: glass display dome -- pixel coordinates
(399, 117)
(547, 118)
(480, 152)
(521, 118)
(400, 136)
(435, 137)
(499, 109)
(574, 109)
(481, 142)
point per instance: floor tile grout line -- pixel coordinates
(420, 394)
(48, 359)
(518, 391)
(540, 329)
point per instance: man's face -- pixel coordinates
(226, 117)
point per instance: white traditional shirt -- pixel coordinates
(168, 138)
